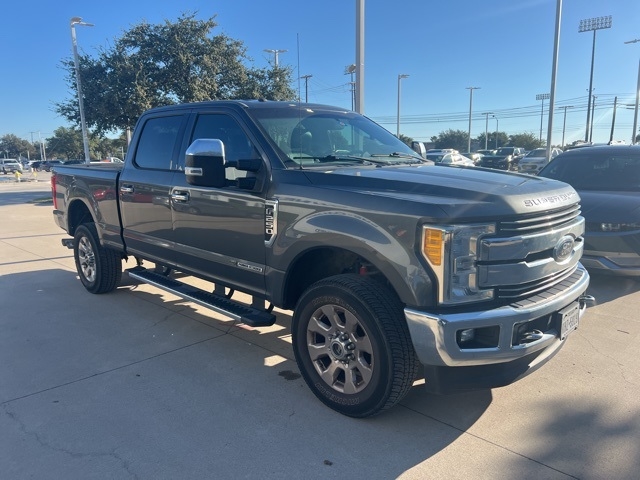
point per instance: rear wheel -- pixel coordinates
(99, 268)
(353, 346)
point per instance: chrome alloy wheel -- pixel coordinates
(87, 259)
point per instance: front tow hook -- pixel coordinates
(587, 301)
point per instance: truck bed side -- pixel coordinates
(83, 191)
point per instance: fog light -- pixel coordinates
(467, 335)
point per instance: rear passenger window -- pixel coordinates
(157, 142)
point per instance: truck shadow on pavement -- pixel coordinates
(161, 350)
(606, 288)
(226, 395)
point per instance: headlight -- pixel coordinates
(452, 251)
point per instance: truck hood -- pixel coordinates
(458, 192)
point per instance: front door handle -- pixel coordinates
(180, 196)
(126, 188)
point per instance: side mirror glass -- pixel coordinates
(205, 163)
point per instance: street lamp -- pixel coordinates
(85, 138)
(275, 52)
(400, 77)
(486, 128)
(635, 114)
(587, 25)
(496, 130)
(471, 89)
(564, 123)
(543, 97)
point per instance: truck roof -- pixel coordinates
(250, 104)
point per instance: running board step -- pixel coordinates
(236, 310)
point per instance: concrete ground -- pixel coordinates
(141, 384)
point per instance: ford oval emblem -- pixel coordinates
(563, 249)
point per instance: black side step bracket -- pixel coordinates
(218, 303)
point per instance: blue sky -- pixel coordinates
(504, 47)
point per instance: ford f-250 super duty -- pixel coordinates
(387, 261)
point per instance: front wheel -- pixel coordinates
(352, 345)
(99, 268)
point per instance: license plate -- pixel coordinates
(570, 319)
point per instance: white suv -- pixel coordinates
(10, 165)
(536, 159)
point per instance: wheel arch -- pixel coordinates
(317, 263)
(78, 212)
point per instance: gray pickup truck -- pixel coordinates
(393, 267)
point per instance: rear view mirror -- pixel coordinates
(205, 163)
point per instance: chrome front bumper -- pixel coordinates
(434, 335)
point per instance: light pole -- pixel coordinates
(471, 89)
(306, 87)
(496, 130)
(486, 128)
(359, 91)
(554, 71)
(564, 122)
(275, 52)
(543, 97)
(593, 113)
(85, 138)
(635, 114)
(587, 25)
(400, 77)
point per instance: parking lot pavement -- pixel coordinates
(141, 384)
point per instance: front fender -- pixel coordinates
(389, 246)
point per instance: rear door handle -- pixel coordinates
(180, 196)
(126, 188)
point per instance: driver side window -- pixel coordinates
(237, 145)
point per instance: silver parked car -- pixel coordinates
(536, 159)
(10, 165)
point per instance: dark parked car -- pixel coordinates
(47, 165)
(607, 178)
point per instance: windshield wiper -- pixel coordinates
(340, 158)
(399, 155)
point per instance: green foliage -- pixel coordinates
(456, 139)
(502, 138)
(404, 138)
(174, 62)
(13, 147)
(66, 144)
(528, 141)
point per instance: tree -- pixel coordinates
(66, 143)
(503, 139)
(155, 65)
(528, 141)
(12, 146)
(456, 139)
(405, 139)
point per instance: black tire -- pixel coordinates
(352, 345)
(99, 268)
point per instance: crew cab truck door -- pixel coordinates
(220, 230)
(145, 186)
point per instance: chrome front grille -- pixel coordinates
(520, 260)
(538, 222)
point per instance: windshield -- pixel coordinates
(597, 170)
(315, 137)
(538, 152)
